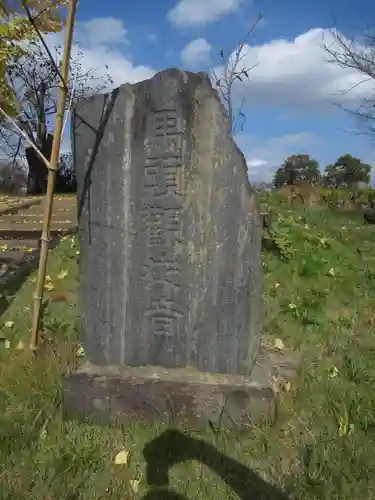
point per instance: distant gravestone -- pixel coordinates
(170, 236)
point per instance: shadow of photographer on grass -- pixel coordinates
(173, 447)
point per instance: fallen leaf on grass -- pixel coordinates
(43, 434)
(279, 344)
(324, 242)
(277, 285)
(344, 429)
(80, 351)
(49, 286)
(331, 272)
(287, 386)
(9, 324)
(134, 484)
(20, 346)
(7, 344)
(333, 372)
(121, 458)
(63, 274)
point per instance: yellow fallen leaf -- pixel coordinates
(43, 434)
(134, 484)
(29, 250)
(331, 272)
(292, 306)
(277, 285)
(80, 351)
(9, 324)
(48, 278)
(275, 386)
(287, 387)
(78, 252)
(333, 372)
(20, 346)
(279, 344)
(7, 344)
(345, 429)
(49, 286)
(63, 274)
(121, 458)
(4, 248)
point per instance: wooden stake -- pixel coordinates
(48, 200)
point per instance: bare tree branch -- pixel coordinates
(231, 72)
(41, 39)
(358, 56)
(35, 83)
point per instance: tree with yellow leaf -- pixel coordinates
(32, 81)
(15, 28)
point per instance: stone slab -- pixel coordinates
(154, 394)
(169, 229)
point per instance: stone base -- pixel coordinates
(105, 393)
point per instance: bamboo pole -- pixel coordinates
(48, 201)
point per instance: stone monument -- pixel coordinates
(170, 278)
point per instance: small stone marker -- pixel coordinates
(171, 275)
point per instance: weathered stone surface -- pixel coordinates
(152, 394)
(179, 395)
(169, 229)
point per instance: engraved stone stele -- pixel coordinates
(171, 275)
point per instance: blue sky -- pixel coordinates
(287, 97)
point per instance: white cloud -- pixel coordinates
(263, 157)
(102, 53)
(255, 163)
(198, 12)
(105, 30)
(295, 73)
(196, 53)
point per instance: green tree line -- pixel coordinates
(346, 171)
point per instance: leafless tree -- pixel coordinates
(232, 71)
(358, 55)
(35, 81)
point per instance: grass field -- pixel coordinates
(319, 300)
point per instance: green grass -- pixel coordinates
(319, 300)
